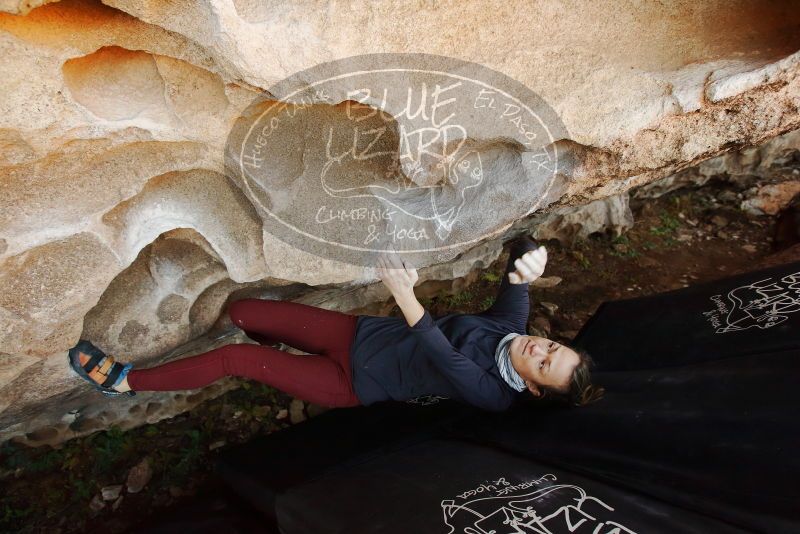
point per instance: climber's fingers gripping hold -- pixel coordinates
(529, 266)
(398, 275)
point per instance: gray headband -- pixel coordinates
(503, 358)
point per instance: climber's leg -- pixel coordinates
(313, 378)
(304, 327)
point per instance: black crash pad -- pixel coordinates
(453, 486)
(696, 433)
(750, 313)
(269, 465)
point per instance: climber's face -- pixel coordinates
(543, 363)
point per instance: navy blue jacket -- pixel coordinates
(450, 356)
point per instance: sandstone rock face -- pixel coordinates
(768, 175)
(119, 222)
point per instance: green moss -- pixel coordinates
(109, 449)
(189, 458)
(630, 251)
(12, 517)
(459, 299)
(582, 260)
(426, 302)
(669, 225)
(491, 277)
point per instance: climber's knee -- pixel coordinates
(237, 311)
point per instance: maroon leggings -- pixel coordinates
(322, 377)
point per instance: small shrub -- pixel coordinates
(669, 224)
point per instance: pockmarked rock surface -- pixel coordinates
(121, 223)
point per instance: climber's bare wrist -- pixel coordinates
(405, 298)
(410, 306)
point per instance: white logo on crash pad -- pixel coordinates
(763, 304)
(505, 507)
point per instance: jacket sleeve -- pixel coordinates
(475, 384)
(512, 304)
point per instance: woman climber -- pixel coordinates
(483, 359)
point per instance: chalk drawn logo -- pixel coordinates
(762, 304)
(426, 400)
(426, 153)
(540, 506)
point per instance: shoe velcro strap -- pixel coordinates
(92, 362)
(106, 365)
(113, 375)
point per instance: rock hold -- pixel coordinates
(540, 326)
(549, 307)
(546, 281)
(110, 493)
(139, 476)
(96, 504)
(296, 414)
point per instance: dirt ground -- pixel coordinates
(680, 239)
(686, 237)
